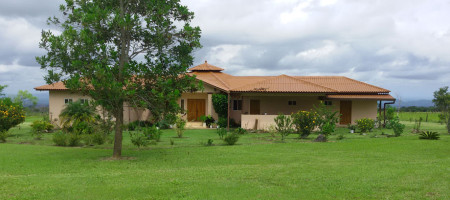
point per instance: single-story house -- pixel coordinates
(256, 100)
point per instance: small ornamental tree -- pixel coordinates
(220, 104)
(11, 114)
(123, 51)
(304, 122)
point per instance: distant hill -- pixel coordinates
(42, 98)
(418, 103)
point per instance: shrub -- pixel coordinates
(172, 142)
(207, 119)
(180, 124)
(60, 139)
(417, 124)
(209, 142)
(3, 136)
(153, 133)
(396, 126)
(73, 139)
(11, 114)
(139, 139)
(240, 131)
(77, 113)
(221, 132)
(231, 138)
(326, 119)
(340, 136)
(283, 125)
(304, 122)
(220, 104)
(429, 135)
(99, 138)
(39, 127)
(223, 122)
(328, 128)
(365, 124)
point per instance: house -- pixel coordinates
(257, 100)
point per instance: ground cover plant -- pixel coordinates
(257, 167)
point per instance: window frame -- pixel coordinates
(237, 104)
(67, 101)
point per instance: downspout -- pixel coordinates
(228, 115)
(384, 115)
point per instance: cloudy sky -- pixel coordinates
(401, 45)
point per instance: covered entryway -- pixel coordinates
(195, 108)
(346, 112)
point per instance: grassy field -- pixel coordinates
(411, 116)
(258, 167)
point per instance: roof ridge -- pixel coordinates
(223, 82)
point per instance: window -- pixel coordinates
(66, 101)
(328, 103)
(292, 103)
(237, 104)
(182, 105)
(84, 101)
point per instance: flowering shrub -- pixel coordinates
(304, 122)
(11, 114)
(365, 124)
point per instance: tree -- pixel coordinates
(134, 51)
(442, 102)
(24, 96)
(2, 87)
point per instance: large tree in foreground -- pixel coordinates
(118, 50)
(442, 102)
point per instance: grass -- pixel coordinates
(258, 167)
(411, 116)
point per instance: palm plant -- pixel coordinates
(76, 113)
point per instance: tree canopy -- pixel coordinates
(442, 102)
(2, 87)
(23, 97)
(135, 51)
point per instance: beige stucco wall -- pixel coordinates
(364, 109)
(56, 102)
(264, 121)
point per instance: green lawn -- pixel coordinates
(258, 167)
(412, 116)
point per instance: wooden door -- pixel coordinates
(254, 107)
(196, 109)
(346, 112)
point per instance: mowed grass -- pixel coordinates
(412, 116)
(258, 167)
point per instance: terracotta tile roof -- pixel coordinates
(54, 86)
(283, 83)
(343, 84)
(363, 96)
(205, 67)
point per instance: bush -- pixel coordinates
(220, 104)
(60, 138)
(326, 119)
(99, 138)
(209, 142)
(304, 122)
(11, 114)
(223, 122)
(221, 132)
(73, 139)
(39, 127)
(3, 136)
(153, 133)
(365, 124)
(139, 139)
(429, 135)
(231, 138)
(207, 119)
(283, 125)
(180, 124)
(396, 126)
(340, 136)
(240, 131)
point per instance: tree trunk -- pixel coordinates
(118, 133)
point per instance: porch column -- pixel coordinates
(209, 105)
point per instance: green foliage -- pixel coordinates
(3, 136)
(180, 124)
(40, 126)
(102, 47)
(417, 124)
(77, 115)
(283, 125)
(138, 124)
(396, 126)
(231, 138)
(222, 122)
(442, 102)
(326, 118)
(240, 131)
(209, 142)
(11, 114)
(207, 119)
(73, 139)
(429, 135)
(221, 132)
(304, 122)
(365, 124)
(220, 104)
(139, 139)
(351, 127)
(153, 133)
(60, 138)
(340, 136)
(24, 97)
(2, 87)
(99, 138)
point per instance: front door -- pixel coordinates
(346, 112)
(196, 109)
(254, 107)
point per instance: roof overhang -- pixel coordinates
(384, 97)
